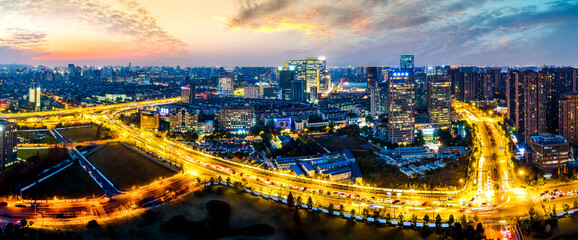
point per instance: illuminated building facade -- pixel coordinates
(568, 110)
(182, 119)
(312, 71)
(549, 151)
(8, 143)
(149, 120)
(401, 103)
(226, 85)
(237, 118)
(439, 100)
(188, 94)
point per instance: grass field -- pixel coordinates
(125, 167)
(83, 134)
(26, 153)
(248, 210)
(38, 137)
(72, 182)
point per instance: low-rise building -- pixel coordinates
(548, 151)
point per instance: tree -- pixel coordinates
(463, 220)
(353, 212)
(310, 202)
(228, 181)
(290, 202)
(388, 216)
(532, 212)
(566, 207)
(299, 200)
(414, 218)
(575, 204)
(451, 220)
(330, 208)
(23, 223)
(438, 219)
(400, 217)
(365, 213)
(426, 218)
(480, 231)
(341, 210)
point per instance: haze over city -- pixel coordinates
(268, 32)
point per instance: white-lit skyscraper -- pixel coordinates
(313, 71)
(401, 103)
(226, 85)
(34, 97)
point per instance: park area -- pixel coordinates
(37, 137)
(125, 167)
(27, 153)
(80, 134)
(72, 182)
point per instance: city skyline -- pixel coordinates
(266, 33)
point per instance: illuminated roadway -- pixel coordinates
(491, 205)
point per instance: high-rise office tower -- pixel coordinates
(536, 101)
(515, 99)
(373, 75)
(226, 85)
(312, 71)
(439, 100)
(420, 90)
(286, 76)
(34, 97)
(189, 94)
(406, 62)
(8, 143)
(298, 91)
(401, 102)
(568, 120)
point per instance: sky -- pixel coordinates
(269, 32)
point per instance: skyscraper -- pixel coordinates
(8, 143)
(536, 101)
(439, 100)
(568, 120)
(189, 94)
(515, 99)
(401, 102)
(373, 75)
(34, 97)
(312, 71)
(226, 85)
(298, 91)
(286, 76)
(406, 62)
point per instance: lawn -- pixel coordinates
(72, 182)
(83, 134)
(38, 137)
(27, 153)
(248, 210)
(337, 143)
(125, 167)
